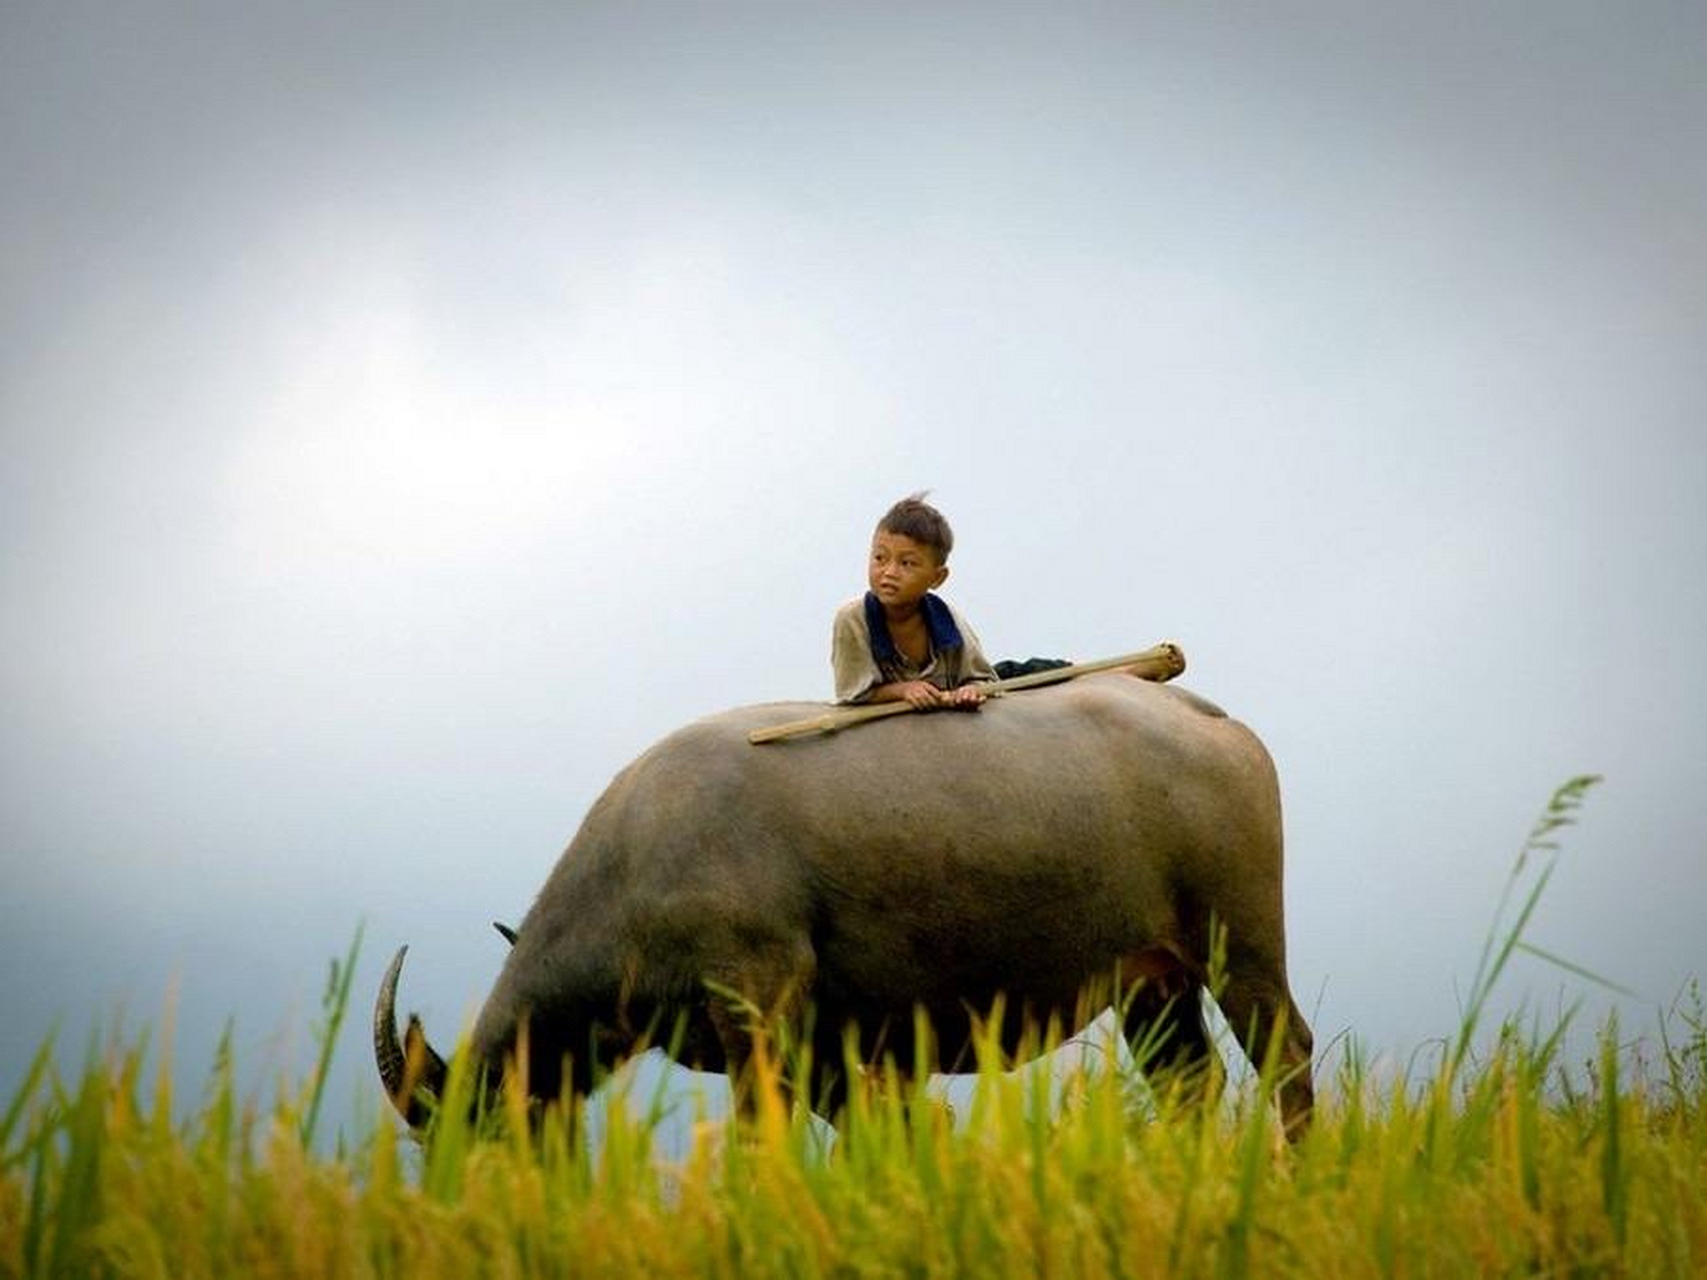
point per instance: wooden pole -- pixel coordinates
(1159, 662)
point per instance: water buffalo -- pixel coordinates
(928, 861)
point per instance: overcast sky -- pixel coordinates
(409, 417)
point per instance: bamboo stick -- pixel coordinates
(1159, 662)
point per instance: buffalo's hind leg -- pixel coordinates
(1262, 1014)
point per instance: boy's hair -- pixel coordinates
(914, 518)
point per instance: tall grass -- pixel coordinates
(1501, 1158)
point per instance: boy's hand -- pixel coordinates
(921, 695)
(968, 697)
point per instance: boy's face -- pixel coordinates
(902, 570)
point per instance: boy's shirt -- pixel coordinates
(863, 656)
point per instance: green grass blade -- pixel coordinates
(1560, 962)
(21, 1100)
(334, 1002)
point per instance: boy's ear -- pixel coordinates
(941, 576)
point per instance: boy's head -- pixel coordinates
(914, 518)
(909, 553)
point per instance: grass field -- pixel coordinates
(1496, 1157)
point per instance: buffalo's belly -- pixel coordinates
(939, 960)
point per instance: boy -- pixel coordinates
(901, 642)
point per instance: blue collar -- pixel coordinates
(939, 622)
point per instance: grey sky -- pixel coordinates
(409, 417)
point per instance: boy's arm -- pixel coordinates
(972, 670)
(855, 670)
(974, 666)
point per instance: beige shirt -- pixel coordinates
(857, 671)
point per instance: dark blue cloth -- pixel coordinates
(1008, 669)
(939, 622)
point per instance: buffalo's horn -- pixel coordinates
(403, 1068)
(509, 933)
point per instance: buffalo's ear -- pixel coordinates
(509, 933)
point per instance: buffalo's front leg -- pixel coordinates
(755, 1004)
